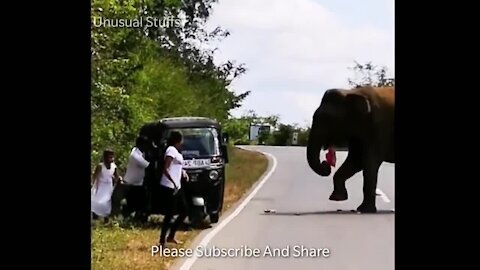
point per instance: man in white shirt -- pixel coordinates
(134, 177)
(136, 167)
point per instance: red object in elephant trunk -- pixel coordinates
(331, 157)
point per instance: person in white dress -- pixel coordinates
(104, 178)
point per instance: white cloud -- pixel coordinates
(294, 51)
(304, 102)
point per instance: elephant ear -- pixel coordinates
(358, 105)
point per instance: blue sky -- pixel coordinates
(296, 50)
(377, 13)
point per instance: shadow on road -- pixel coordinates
(334, 212)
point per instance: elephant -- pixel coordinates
(361, 119)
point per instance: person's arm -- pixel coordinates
(185, 175)
(116, 177)
(140, 160)
(166, 165)
(95, 175)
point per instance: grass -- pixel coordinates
(124, 246)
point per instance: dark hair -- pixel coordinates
(175, 137)
(107, 152)
(141, 142)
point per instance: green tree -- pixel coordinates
(283, 135)
(303, 136)
(369, 74)
(237, 129)
(264, 136)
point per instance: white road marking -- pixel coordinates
(383, 195)
(191, 260)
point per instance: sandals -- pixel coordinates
(169, 240)
(172, 240)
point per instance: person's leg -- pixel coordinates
(181, 207)
(142, 208)
(130, 201)
(117, 196)
(134, 201)
(167, 195)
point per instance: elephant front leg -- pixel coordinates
(370, 177)
(349, 168)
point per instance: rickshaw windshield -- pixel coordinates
(198, 142)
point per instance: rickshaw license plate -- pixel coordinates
(196, 163)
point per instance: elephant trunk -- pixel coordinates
(315, 143)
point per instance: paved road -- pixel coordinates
(306, 217)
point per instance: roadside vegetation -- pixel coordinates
(119, 245)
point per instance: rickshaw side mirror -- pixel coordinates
(225, 153)
(225, 138)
